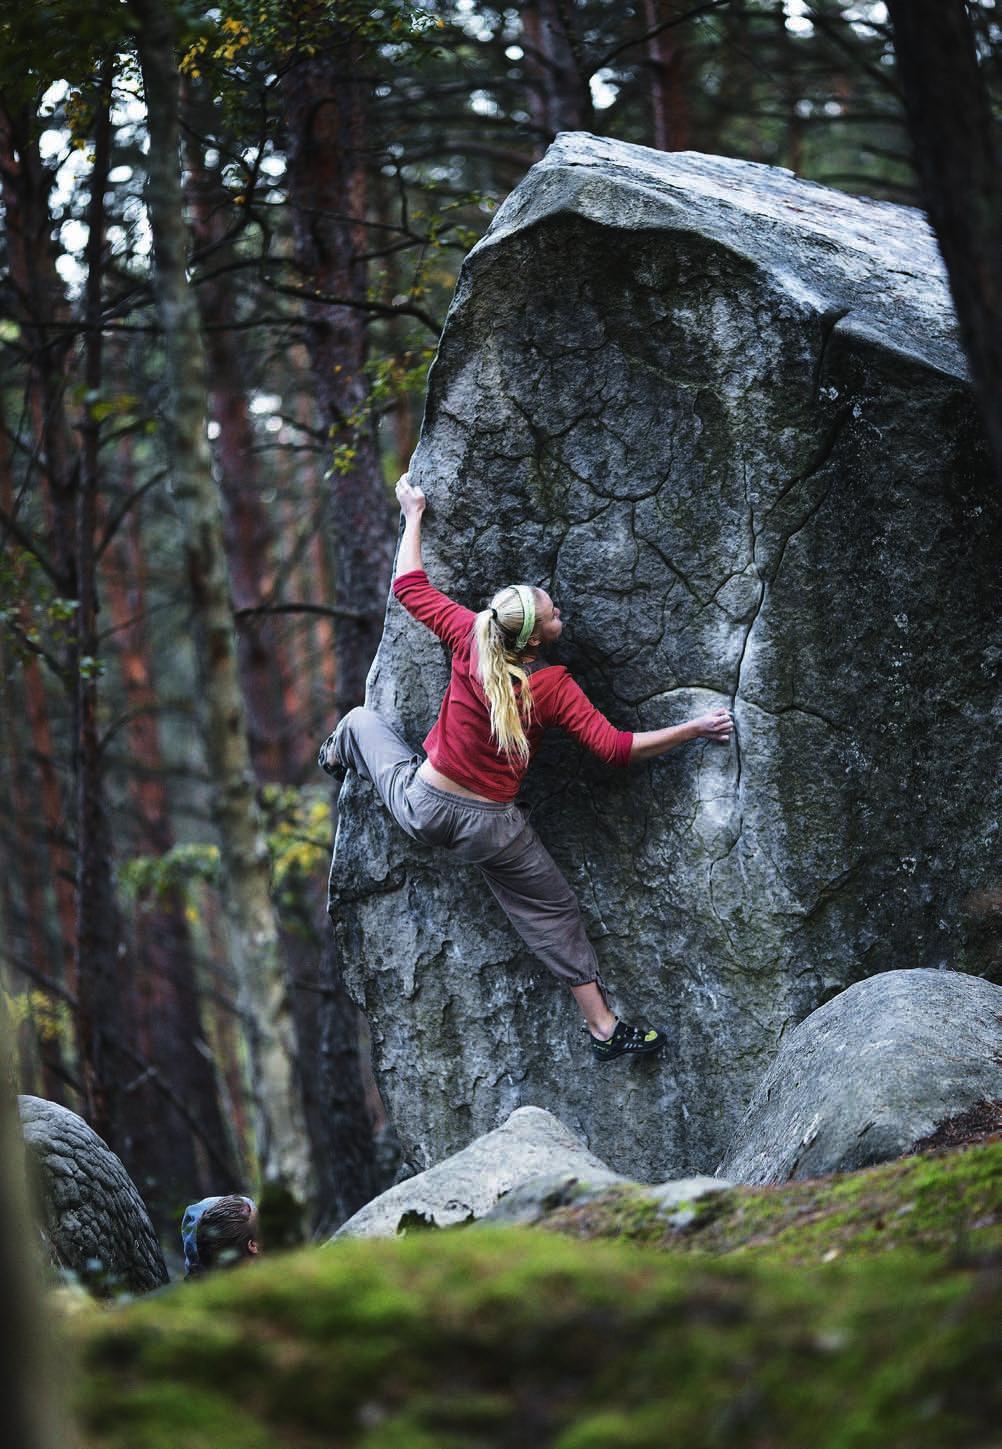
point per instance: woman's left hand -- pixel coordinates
(718, 725)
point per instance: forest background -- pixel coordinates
(231, 234)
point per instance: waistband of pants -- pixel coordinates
(489, 807)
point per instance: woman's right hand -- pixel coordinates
(718, 725)
(411, 499)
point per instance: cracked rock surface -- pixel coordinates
(94, 1221)
(880, 1066)
(722, 415)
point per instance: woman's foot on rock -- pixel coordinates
(627, 1041)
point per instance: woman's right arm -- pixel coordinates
(648, 744)
(450, 621)
(412, 501)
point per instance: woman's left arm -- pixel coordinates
(649, 744)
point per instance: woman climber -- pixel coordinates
(502, 695)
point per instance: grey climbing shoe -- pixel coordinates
(327, 760)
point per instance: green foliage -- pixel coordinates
(299, 827)
(50, 1018)
(34, 616)
(52, 40)
(298, 833)
(222, 42)
(144, 876)
(390, 378)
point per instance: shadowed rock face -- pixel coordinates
(722, 416)
(884, 1064)
(95, 1222)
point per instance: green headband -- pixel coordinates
(528, 614)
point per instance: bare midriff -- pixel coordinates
(435, 777)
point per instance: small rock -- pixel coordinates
(468, 1184)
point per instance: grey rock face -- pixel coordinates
(468, 1184)
(94, 1220)
(869, 1073)
(721, 414)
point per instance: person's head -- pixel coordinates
(227, 1232)
(518, 621)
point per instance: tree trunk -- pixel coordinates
(29, 1380)
(40, 304)
(670, 118)
(282, 1141)
(165, 1158)
(324, 112)
(560, 86)
(325, 121)
(248, 532)
(957, 156)
(99, 947)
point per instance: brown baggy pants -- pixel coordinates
(491, 835)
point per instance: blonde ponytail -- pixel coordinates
(496, 630)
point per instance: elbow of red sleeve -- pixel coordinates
(624, 747)
(403, 582)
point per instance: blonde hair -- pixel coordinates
(496, 631)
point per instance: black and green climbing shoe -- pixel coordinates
(637, 1041)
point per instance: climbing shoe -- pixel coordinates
(637, 1041)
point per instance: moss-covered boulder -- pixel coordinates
(494, 1337)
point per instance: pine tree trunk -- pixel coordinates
(670, 118)
(282, 1140)
(958, 155)
(100, 950)
(553, 60)
(164, 1157)
(325, 122)
(247, 528)
(70, 496)
(29, 1382)
(324, 112)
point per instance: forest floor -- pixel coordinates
(844, 1312)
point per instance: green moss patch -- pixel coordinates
(512, 1337)
(946, 1203)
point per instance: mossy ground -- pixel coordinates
(514, 1337)
(946, 1203)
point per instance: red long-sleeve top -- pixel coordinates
(459, 743)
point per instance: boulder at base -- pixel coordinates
(467, 1185)
(871, 1072)
(95, 1223)
(722, 415)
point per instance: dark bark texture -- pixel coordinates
(958, 155)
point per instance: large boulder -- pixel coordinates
(468, 1185)
(887, 1062)
(722, 415)
(94, 1221)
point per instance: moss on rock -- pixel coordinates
(514, 1337)
(946, 1203)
